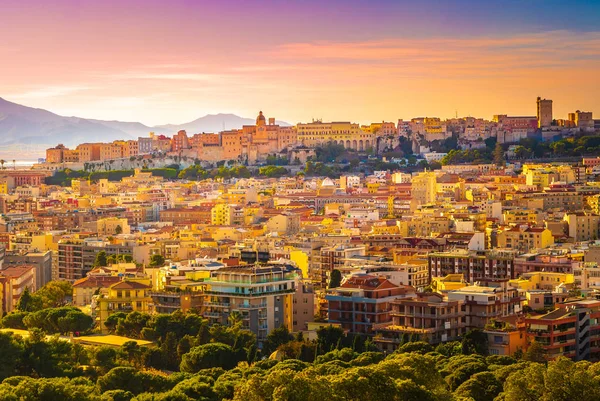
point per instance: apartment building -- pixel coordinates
(473, 265)
(412, 274)
(186, 216)
(76, 256)
(556, 262)
(14, 280)
(572, 330)
(487, 301)
(424, 317)
(524, 238)
(362, 302)
(262, 294)
(332, 258)
(41, 262)
(124, 296)
(583, 226)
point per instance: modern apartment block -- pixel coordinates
(487, 301)
(572, 330)
(333, 258)
(262, 294)
(426, 316)
(473, 265)
(363, 302)
(76, 257)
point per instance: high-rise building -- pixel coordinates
(544, 112)
(262, 295)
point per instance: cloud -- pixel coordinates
(441, 57)
(49, 92)
(165, 76)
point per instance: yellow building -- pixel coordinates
(523, 216)
(223, 214)
(344, 133)
(423, 226)
(583, 226)
(424, 187)
(300, 258)
(451, 282)
(593, 202)
(541, 280)
(112, 226)
(125, 296)
(385, 227)
(434, 129)
(524, 238)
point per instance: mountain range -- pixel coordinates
(33, 130)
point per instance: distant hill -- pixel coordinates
(212, 123)
(39, 129)
(26, 125)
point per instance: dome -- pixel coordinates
(327, 182)
(260, 120)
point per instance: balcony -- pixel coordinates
(428, 315)
(218, 304)
(255, 294)
(250, 306)
(212, 314)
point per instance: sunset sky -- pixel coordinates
(173, 61)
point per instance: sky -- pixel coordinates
(173, 61)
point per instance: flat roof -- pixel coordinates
(108, 339)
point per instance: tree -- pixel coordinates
(526, 384)
(132, 350)
(475, 342)
(328, 338)
(234, 318)
(335, 278)
(416, 346)
(105, 358)
(213, 355)
(169, 350)
(157, 260)
(566, 380)
(14, 320)
(101, 260)
(277, 337)
(499, 156)
(55, 294)
(481, 386)
(118, 230)
(535, 353)
(11, 351)
(111, 260)
(75, 321)
(28, 302)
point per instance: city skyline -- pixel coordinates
(158, 64)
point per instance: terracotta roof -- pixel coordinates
(96, 282)
(16, 271)
(129, 285)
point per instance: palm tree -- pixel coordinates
(235, 318)
(14, 164)
(2, 163)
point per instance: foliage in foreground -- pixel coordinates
(35, 369)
